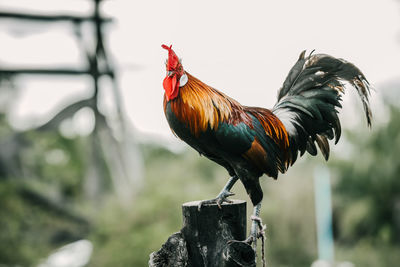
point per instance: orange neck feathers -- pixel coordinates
(201, 106)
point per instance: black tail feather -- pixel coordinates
(309, 99)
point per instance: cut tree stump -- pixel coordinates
(208, 238)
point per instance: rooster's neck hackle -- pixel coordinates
(201, 106)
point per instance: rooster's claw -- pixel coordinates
(221, 198)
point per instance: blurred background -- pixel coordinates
(90, 174)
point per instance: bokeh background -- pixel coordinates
(87, 161)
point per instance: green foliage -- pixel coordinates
(368, 254)
(40, 183)
(367, 197)
(368, 191)
(31, 226)
(50, 152)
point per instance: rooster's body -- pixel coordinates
(246, 141)
(250, 141)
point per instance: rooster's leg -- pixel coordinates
(257, 231)
(222, 196)
(257, 228)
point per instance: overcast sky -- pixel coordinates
(244, 48)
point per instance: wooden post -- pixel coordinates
(209, 237)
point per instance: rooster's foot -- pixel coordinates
(221, 198)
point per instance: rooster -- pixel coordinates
(251, 141)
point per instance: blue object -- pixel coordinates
(323, 213)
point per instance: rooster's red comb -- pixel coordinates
(173, 60)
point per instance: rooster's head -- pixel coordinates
(176, 76)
